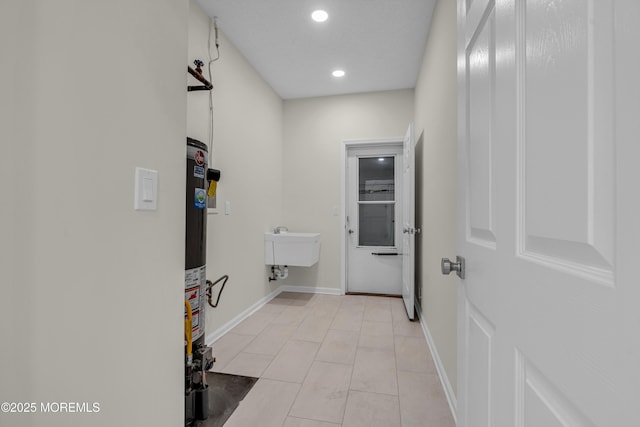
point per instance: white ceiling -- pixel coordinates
(379, 43)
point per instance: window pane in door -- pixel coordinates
(376, 224)
(376, 178)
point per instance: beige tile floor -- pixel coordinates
(327, 361)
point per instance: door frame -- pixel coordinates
(348, 144)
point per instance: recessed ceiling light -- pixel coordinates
(338, 73)
(319, 15)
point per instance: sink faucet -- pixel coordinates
(280, 229)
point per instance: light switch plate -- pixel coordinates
(146, 190)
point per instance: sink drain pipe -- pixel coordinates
(278, 272)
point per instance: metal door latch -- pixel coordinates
(411, 230)
(447, 266)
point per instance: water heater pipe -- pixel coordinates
(187, 331)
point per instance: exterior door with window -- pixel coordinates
(374, 219)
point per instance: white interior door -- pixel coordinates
(548, 221)
(374, 229)
(408, 222)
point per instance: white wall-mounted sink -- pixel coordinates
(291, 249)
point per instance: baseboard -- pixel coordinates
(310, 290)
(218, 333)
(444, 379)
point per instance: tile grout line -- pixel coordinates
(395, 351)
(308, 308)
(353, 368)
(306, 375)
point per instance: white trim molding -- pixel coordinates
(311, 290)
(442, 374)
(218, 333)
(222, 330)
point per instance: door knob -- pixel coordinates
(351, 231)
(448, 266)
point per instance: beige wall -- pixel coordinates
(247, 148)
(17, 285)
(89, 92)
(436, 122)
(315, 129)
(281, 165)
(91, 290)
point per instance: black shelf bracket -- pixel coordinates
(206, 83)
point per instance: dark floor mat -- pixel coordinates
(225, 393)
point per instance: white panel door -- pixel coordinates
(549, 213)
(408, 222)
